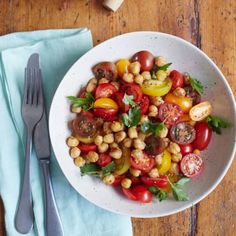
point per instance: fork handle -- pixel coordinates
(53, 222)
(24, 215)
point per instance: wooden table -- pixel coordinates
(209, 24)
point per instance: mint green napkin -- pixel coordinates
(58, 50)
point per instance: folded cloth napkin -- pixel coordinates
(58, 50)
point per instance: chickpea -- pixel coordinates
(153, 173)
(174, 148)
(141, 136)
(72, 141)
(92, 156)
(116, 153)
(158, 159)
(127, 142)
(139, 144)
(146, 75)
(103, 147)
(98, 140)
(74, 152)
(135, 172)
(103, 81)
(114, 145)
(91, 85)
(108, 138)
(174, 169)
(153, 111)
(137, 153)
(126, 183)
(157, 101)
(134, 68)
(163, 132)
(132, 132)
(128, 77)
(197, 151)
(138, 79)
(109, 179)
(143, 119)
(79, 161)
(116, 126)
(166, 142)
(179, 92)
(116, 84)
(120, 136)
(76, 109)
(176, 157)
(160, 61)
(107, 127)
(161, 75)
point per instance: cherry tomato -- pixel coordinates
(105, 90)
(177, 79)
(106, 114)
(203, 135)
(186, 148)
(160, 182)
(145, 58)
(184, 117)
(154, 145)
(144, 104)
(105, 70)
(200, 111)
(106, 103)
(135, 180)
(123, 164)
(184, 102)
(119, 99)
(129, 194)
(141, 193)
(118, 179)
(134, 90)
(165, 164)
(104, 159)
(122, 67)
(193, 95)
(191, 165)
(182, 133)
(82, 92)
(85, 148)
(145, 164)
(169, 113)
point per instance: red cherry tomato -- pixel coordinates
(145, 58)
(169, 113)
(154, 145)
(119, 99)
(106, 114)
(134, 90)
(82, 92)
(118, 179)
(191, 165)
(177, 79)
(144, 104)
(104, 159)
(135, 180)
(141, 193)
(203, 135)
(105, 90)
(186, 148)
(160, 182)
(129, 194)
(85, 148)
(193, 95)
(145, 164)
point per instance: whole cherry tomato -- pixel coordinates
(145, 58)
(141, 193)
(177, 79)
(186, 148)
(129, 194)
(160, 182)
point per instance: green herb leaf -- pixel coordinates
(154, 128)
(164, 67)
(90, 169)
(128, 100)
(153, 189)
(108, 168)
(155, 68)
(196, 85)
(86, 103)
(161, 195)
(132, 118)
(216, 123)
(182, 181)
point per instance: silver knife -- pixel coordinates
(42, 149)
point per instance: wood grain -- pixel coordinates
(208, 24)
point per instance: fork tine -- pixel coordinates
(30, 86)
(35, 87)
(40, 90)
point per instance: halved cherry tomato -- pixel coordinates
(129, 194)
(156, 88)
(119, 99)
(200, 111)
(203, 135)
(145, 58)
(144, 104)
(177, 79)
(160, 182)
(193, 95)
(186, 148)
(134, 90)
(141, 193)
(122, 67)
(123, 164)
(154, 145)
(184, 102)
(169, 113)
(165, 164)
(145, 164)
(86, 148)
(118, 179)
(106, 114)
(104, 159)
(105, 90)
(106, 103)
(191, 165)
(182, 133)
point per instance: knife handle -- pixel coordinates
(53, 222)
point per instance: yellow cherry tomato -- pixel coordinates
(166, 163)
(184, 102)
(106, 103)
(122, 67)
(200, 111)
(89, 139)
(156, 87)
(123, 164)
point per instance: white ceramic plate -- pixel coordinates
(185, 57)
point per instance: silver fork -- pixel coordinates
(32, 111)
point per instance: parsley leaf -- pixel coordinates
(182, 181)
(86, 103)
(155, 68)
(159, 193)
(90, 169)
(164, 67)
(128, 100)
(132, 118)
(196, 85)
(108, 168)
(149, 127)
(216, 123)
(153, 189)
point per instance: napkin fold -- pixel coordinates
(58, 50)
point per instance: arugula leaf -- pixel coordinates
(86, 103)
(128, 100)
(132, 118)
(216, 123)
(90, 169)
(159, 193)
(108, 168)
(149, 127)
(196, 85)
(155, 68)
